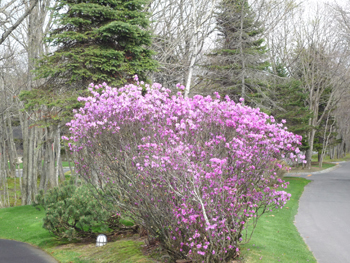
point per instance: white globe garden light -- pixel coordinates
(101, 240)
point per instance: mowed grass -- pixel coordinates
(328, 159)
(123, 251)
(14, 189)
(324, 165)
(276, 239)
(24, 223)
(64, 164)
(314, 168)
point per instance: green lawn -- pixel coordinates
(276, 238)
(327, 159)
(64, 164)
(15, 181)
(12, 182)
(324, 165)
(314, 168)
(24, 223)
(13, 193)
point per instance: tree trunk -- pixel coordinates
(25, 136)
(53, 180)
(44, 168)
(59, 170)
(11, 144)
(311, 138)
(36, 160)
(69, 159)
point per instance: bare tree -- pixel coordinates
(319, 62)
(341, 146)
(23, 25)
(181, 34)
(10, 20)
(277, 18)
(341, 14)
(8, 114)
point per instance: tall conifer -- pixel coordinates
(235, 66)
(288, 94)
(96, 41)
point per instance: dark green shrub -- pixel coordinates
(72, 211)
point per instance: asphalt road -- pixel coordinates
(323, 218)
(18, 252)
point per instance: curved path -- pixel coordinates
(17, 252)
(323, 218)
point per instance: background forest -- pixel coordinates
(285, 57)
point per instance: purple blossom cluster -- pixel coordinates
(197, 172)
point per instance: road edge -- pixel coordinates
(318, 172)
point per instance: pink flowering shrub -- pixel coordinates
(196, 173)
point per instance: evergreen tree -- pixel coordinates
(236, 67)
(98, 41)
(288, 94)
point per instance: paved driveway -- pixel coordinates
(323, 218)
(18, 252)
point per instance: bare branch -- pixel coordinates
(19, 21)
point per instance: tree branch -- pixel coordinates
(19, 21)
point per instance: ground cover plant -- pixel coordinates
(71, 212)
(194, 172)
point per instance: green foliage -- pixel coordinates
(291, 98)
(73, 213)
(289, 95)
(97, 41)
(63, 103)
